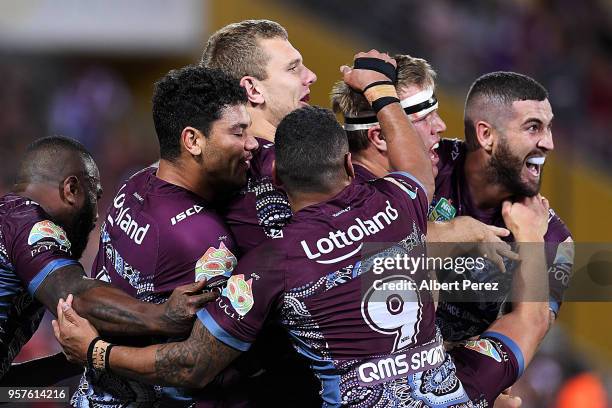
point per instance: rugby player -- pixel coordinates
(311, 279)
(415, 88)
(508, 135)
(258, 53)
(161, 230)
(44, 227)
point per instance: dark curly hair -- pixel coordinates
(191, 96)
(310, 147)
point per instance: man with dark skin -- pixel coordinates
(44, 226)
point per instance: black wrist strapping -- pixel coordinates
(376, 84)
(107, 358)
(90, 352)
(378, 65)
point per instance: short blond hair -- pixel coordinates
(411, 71)
(235, 48)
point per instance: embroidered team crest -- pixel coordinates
(240, 293)
(47, 229)
(484, 346)
(215, 262)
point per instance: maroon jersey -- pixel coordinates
(260, 210)
(316, 281)
(156, 236)
(452, 198)
(31, 248)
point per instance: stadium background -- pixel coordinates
(86, 69)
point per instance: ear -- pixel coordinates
(275, 180)
(193, 141)
(484, 135)
(70, 190)
(348, 166)
(377, 139)
(252, 87)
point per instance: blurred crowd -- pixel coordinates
(564, 44)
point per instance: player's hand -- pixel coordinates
(506, 400)
(483, 240)
(73, 332)
(359, 79)
(527, 218)
(183, 304)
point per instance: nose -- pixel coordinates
(311, 77)
(251, 144)
(439, 126)
(546, 142)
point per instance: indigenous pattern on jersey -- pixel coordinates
(156, 236)
(31, 247)
(260, 210)
(368, 348)
(461, 320)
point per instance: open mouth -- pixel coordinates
(534, 165)
(433, 155)
(305, 98)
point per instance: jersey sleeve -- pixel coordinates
(201, 248)
(37, 247)
(560, 260)
(488, 366)
(408, 192)
(252, 295)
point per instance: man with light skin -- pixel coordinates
(508, 133)
(415, 87)
(258, 54)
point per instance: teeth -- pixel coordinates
(435, 146)
(536, 160)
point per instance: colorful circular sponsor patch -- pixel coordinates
(47, 229)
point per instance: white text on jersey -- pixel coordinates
(353, 234)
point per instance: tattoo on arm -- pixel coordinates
(191, 363)
(195, 361)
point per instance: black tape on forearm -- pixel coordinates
(378, 65)
(377, 83)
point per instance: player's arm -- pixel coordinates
(405, 148)
(113, 311)
(529, 320)
(193, 362)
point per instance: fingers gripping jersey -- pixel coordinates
(366, 352)
(31, 248)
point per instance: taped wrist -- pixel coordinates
(378, 65)
(98, 354)
(380, 94)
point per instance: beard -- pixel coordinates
(505, 169)
(81, 227)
